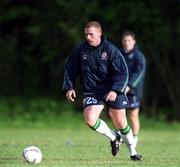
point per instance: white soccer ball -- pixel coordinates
(32, 154)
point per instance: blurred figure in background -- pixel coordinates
(137, 66)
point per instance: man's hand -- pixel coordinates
(127, 89)
(71, 95)
(111, 96)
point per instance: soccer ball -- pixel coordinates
(32, 154)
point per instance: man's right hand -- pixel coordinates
(71, 95)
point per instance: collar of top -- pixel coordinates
(132, 51)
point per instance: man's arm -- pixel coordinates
(138, 72)
(119, 72)
(70, 74)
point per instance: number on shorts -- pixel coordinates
(90, 100)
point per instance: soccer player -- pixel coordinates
(137, 66)
(103, 77)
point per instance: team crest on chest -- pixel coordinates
(84, 57)
(104, 56)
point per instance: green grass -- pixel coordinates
(66, 141)
(75, 145)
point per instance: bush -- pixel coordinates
(16, 110)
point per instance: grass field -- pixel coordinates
(78, 146)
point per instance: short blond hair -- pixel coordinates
(95, 24)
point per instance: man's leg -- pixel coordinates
(135, 123)
(91, 115)
(120, 121)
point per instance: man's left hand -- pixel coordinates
(111, 96)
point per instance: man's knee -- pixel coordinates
(91, 114)
(90, 121)
(119, 117)
(121, 123)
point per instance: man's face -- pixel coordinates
(128, 43)
(93, 36)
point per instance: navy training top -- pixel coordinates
(136, 63)
(101, 69)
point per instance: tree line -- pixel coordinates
(37, 35)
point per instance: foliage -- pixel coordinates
(52, 112)
(36, 37)
(38, 110)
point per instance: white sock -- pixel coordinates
(135, 140)
(128, 138)
(102, 127)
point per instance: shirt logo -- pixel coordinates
(124, 102)
(84, 57)
(104, 56)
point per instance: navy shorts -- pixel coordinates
(121, 101)
(134, 101)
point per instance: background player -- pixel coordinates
(137, 66)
